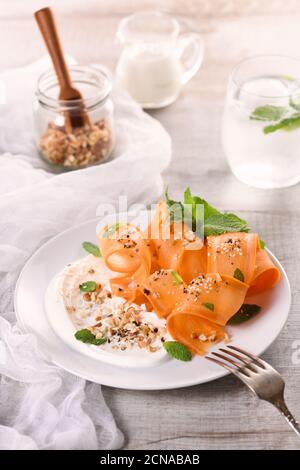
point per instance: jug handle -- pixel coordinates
(191, 52)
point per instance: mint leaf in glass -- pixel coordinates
(86, 336)
(245, 313)
(239, 275)
(288, 124)
(177, 351)
(269, 113)
(88, 286)
(91, 248)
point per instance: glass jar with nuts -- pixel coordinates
(68, 147)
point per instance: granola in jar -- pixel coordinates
(83, 147)
(71, 148)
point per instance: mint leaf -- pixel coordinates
(88, 286)
(269, 113)
(209, 306)
(288, 124)
(239, 275)
(86, 336)
(294, 102)
(223, 223)
(111, 230)
(176, 209)
(188, 198)
(92, 249)
(195, 202)
(245, 313)
(177, 279)
(262, 244)
(215, 223)
(177, 351)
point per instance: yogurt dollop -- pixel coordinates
(134, 336)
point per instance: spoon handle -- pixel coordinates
(46, 23)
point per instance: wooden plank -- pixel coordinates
(222, 414)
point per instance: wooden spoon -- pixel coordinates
(75, 117)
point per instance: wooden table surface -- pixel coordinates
(221, 414)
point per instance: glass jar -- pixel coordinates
(80, 147)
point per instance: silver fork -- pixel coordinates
(262, 379)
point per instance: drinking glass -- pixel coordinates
(261, 122)
(157, 59)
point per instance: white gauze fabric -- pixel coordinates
(42, 406)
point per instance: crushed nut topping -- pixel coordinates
(127, 329)
(86, 145)
(231, 247)
(201, 284)
(123, 324)
(211, 338)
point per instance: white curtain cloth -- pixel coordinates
(42, 406)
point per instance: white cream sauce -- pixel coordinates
(68, 312)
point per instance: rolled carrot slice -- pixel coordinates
(193, 263)
(169, 253)
(159, 223)
(154, 258)
(166, 250)
(233, 254)
(164, 290)
(266, 274)
(126, 252)
(172, 240)
(196, 333)
(214, 297)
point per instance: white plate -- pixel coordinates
(254, 336)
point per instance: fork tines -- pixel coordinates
(259, 376)
(236, 360)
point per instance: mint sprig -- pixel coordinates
(269, 113)
(178, 351)
(245, 313)
(86, 336)
(92, 249)
(285, 118)
(215, 223)
(288, 124)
